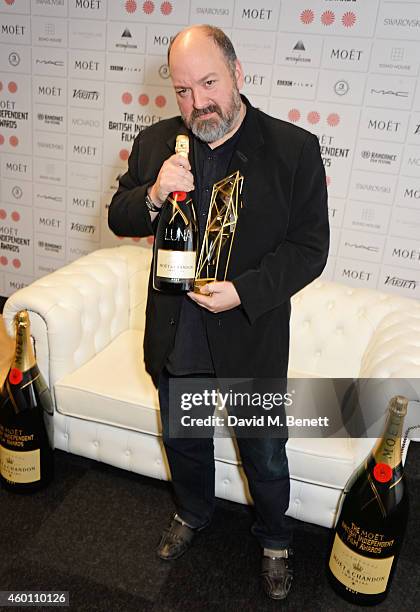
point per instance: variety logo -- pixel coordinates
(86, 94)
(80, 94)
(403, 283)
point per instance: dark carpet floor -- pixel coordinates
(93, 533)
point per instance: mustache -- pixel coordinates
(198, 112)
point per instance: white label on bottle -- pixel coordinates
(175, 264)
(361, 574)
(21, 466)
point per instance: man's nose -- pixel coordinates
(200, 99)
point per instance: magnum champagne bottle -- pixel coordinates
(175, 246)
(373, 517)
(26, 438)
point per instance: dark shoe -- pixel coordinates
(176, 539)
(277, 575)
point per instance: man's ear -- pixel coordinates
(239, 74)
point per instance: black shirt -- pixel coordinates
(190, 353)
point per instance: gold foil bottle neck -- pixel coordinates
(24, 358)
(22, 318)
(388, 447)
(399, 405)
(182, 145)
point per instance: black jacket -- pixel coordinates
(281, 242)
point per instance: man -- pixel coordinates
(237, 327)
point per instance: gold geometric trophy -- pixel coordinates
(220, 229)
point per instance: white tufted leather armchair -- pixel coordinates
(88, 324)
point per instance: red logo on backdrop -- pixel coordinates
(15, 376)
(348, 19)
(307, 16)
(382, 472)
(327, 18)
(313, 117)
(131, 6)
(148, 7)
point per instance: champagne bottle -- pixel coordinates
(26, 411)
(175, 246)
(372, 520)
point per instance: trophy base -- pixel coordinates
(200, 282)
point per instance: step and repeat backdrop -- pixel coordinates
(80, 78)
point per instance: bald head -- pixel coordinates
(192, 35)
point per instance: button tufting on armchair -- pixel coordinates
(88, 322)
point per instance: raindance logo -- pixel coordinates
(379, 158)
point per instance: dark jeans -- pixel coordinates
(192, 469)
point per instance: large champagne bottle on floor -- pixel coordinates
(372, 519)
(175, 247)
(26, 412)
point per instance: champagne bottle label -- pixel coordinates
(358, 573)
(20, 467)
(175, 264)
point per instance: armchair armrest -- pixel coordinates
(79, 309)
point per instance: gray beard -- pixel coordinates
(211, 130)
